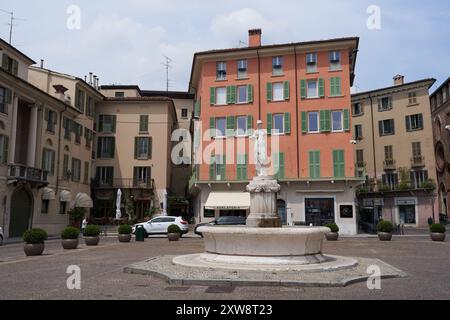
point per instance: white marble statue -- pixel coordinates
(118, 203)
(260, 150)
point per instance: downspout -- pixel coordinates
(373, 138)
(58, 162)
(296, 113)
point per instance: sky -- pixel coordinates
(125, 42)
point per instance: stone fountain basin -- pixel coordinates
(264, 242)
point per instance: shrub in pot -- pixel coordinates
(437, 232)
(334, 234)
(125, 231)
(34, 242)
(384, 229)
(173, 232)
(69, 238)
(91, 235)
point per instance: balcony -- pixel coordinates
(123, 184)
(28, 174)
(418, 161)
(360, 164)
(389, 165)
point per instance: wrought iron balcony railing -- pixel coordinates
(123, 183)
(417, 161)
(389, 165)
(24, 173)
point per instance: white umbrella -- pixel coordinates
(118, 202)
(165, 203)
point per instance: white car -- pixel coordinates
(159, 225)
(1, 236)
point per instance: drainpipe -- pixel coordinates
(373, 138)
(296, 113)
(58, 162)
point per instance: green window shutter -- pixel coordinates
(229, 95)
(223, 168)
(244, 171)
(321, 87)
(249, 122)
(15, 70)
(335, 164)
(269, 123)
(282, 166)
(269, 91)
(303, 89)
(197, 109)
(327, 120)
(338, 164)
(314, 164)
(346, 120)
(230, 126)
(287, 123)
(233, 95)
(114, 124)
(212, 126)
(150, 147)
(304, 122)
(287, 87)
(136, 147)
(212, 96)
(8, 96)
(332, 86)
(322, 121)
(317, 160)
(338, 86)
(212, 168)
(250, 93)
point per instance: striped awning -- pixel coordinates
(82, 200)
(228, 201)
(48, 194)
(65, 196)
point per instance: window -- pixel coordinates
(414, 122)
(86, 172)
(242, 94)
(67, 126)
(5, 99)
(360, 155)
(80, 100)
(142, 148)
(388, 153)
(217, 168)
(221, 73)
(335, 60)
(390, 180)
(418, 178)
(10, 65)
(336, 125)
(386, 127)
(4, 144)
(143, 123)
(62, 207)
(358, 132)
(221, 96)
(241, 126)
(106, 147)
(242, 69)
(44, 206)
(142, 175)
(278, 124)
(278, 91)
(107, 123)
(78, 129)
(242, 160)
(48, 161)
(76, 170)
(384, 104)
(66, 172)
(412, 98)
(338, 164)
(277, 66)
(357, 109)
(335, 87)
(105, 176)
(119, 94)
(416, 149)
(220, 127)
(90, 107)
(279, 165)
(312, 89)
(88, 136)
(319, 211)
(313, 122)
(311, 62)
(407, 214)
(184, 113)
(51, 118)
(314, 164)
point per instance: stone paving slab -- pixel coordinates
(163, 268)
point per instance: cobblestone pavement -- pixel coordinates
(426, 263)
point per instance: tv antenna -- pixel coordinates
(167, 65)
(242, 43)
(11, 23)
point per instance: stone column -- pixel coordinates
(32, 137)
(12, 142)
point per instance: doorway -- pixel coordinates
(319, 211)
(21, 210)
(281, 208)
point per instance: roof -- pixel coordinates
(275, 46)
(440, 87)
(170, 94)
(121, 87)
(431, 80)
(3, 43)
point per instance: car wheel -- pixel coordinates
(1, 240)
(146, 234)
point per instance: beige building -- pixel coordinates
(394, 151)
(38, 128)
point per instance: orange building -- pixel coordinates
(301, 93)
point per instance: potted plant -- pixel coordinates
(334, 234)
(76, 216)
(69, 238)
(384, 229)
(34, 242)
(125, 231)
(437, 232)
(91, 235)
(173, 232)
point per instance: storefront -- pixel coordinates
(225, 204)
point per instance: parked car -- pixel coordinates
(159, 225)
(1, 236)
(222, 221)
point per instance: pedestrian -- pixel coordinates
(84, 224)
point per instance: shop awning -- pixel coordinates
(228, 201)
(48, 194)
(65, 196)
(82, 200)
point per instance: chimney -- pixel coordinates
(254, 38)
(60, 92)
(42, 63)
(95, 81)
(90, 78)
(399, 80)
(98, 83)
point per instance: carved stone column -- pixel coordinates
(263, 203)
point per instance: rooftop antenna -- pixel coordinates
(11, 23)
(242, 43)
(167, 65)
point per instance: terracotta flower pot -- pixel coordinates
(124, 237)
(173, 236)
(69, 244)
(332, 236)
(385, 236)
(438, 237)
(91, 241)
(34, 249)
